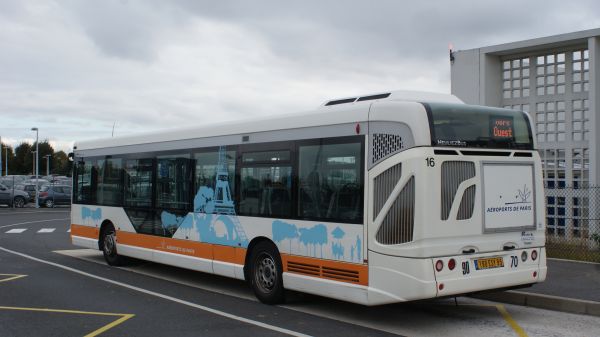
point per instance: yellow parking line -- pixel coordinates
(507, 317)
(511, 321)
(111, 325)
(14, 277)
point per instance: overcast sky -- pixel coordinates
(75, 68)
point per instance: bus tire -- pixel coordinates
(109, 246)
(266, 273)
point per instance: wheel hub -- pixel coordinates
(266, 274)
(109, 244)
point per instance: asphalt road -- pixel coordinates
(49, 287)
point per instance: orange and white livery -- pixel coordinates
(374, 199)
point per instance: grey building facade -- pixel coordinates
(556, 80)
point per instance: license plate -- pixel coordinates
(489, 263)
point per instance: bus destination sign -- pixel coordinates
(501, 128)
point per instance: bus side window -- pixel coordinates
(330, 184)
(266, 184)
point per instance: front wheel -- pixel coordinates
(109, 247)
(19, 202)
(266, 273)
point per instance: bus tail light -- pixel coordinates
(524, 256)
(439, 265)
(534, 255)
(43, 194)
(451, 264)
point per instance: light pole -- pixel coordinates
(48, 164)
(37, 168)
(6, 159)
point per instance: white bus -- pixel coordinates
(377, 199)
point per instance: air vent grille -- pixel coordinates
(383, 186)
(341, 274)
(372, 97)
(337, 274)
(341, 101)
(385, 144)
(467, 204)
(304, 268)
(398, 225)
(359, 99)
(453, 174)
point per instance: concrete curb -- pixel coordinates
(549, 302)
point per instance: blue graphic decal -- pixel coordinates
(214, 219)
(93, 215)
(338, 233)
(283, 230)
(170, 222)
(314, 236)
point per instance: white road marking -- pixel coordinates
(159, 295)
(69, 231)
(30, 222)
(39, 212)
(46, 230)
(230, 287)
(16, 231)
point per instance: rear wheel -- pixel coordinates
(19, 202)
(109, 246)
(49, 203)
(266, 273)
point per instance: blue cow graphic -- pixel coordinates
(91, 215)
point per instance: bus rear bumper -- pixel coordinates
(395, 279)
(515, 272)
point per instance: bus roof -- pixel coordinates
(344, 110)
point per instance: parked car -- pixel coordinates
(28, 188)
(51, 195)
(10, 197)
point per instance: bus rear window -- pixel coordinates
(460, 125)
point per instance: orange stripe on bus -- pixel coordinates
(183, 247)
(85, 231)
(328, 269)
(320, 268)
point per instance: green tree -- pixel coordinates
(23, 159)
(62, 165)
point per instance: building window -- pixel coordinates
(515, 78)
(581, 70)
(550, 74)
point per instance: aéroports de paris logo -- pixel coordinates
(522, 196)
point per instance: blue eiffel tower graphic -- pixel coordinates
(223, 202)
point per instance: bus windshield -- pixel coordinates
(460, 125)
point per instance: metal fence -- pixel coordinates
(573, 223)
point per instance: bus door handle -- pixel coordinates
(469, 251)
(508, 247)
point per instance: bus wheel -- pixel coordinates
(266, 273)
(109, 246)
